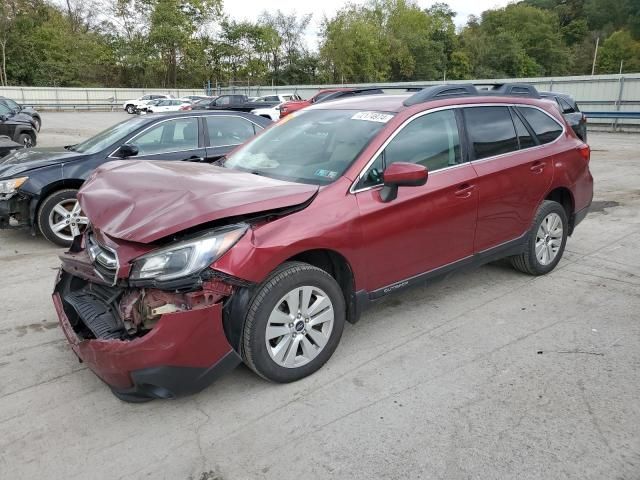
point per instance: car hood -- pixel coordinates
(26, 159)
(142, 201)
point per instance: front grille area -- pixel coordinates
(105, 260)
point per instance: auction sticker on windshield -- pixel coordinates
(372, 117)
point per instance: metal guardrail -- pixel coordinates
(615, 115)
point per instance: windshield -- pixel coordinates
(314, 146)
(108, 136)
(10, 103)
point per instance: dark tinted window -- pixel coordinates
(524, 137)
(491, 131)
(545, 128)
(431, 140)
(565, 106)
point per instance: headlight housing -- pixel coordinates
(187, 257)
(11, 185)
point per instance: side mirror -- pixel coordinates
(402, 174)
(127, 150)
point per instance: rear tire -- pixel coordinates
(294, 323)
(546, 240)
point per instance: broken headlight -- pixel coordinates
(10, 186)
(186, 257)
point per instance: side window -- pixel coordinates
(524, 137)
(146, 97)
(170, 136)
(224, 130)
(545, 128)
(223, 101)
(271, 98)
(565, 106)
(431, 140)
(491, 131)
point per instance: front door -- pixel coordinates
(425, 227)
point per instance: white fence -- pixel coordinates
(599, 93)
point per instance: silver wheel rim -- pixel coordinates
(549, 239)
(27, 143)
(66, 219)
(299, 326)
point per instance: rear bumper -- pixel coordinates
(183, 353)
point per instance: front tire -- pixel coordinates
(130, 109)
(26, 140)
(60, 218)
(294, 323)
(546, 241)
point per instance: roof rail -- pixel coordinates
(441, 91)
(469, 90)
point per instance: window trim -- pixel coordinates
(353, 190)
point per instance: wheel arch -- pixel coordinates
(50, 189)
(564, 197)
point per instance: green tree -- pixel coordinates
(619, 49)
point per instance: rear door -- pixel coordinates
(225, 132)
(425, 227)
(172, 139)
(514, 173)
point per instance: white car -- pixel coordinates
(131, 105)
(171, 105)
(280, 98)
(268, 112)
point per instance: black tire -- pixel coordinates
(130, 109)
(26, 140)
(45, 209)
(284, 279)
(527, 262)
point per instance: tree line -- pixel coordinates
(188, 43)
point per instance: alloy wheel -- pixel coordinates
(299, 326)
(549, 238)
(27, 141)
(66, 219)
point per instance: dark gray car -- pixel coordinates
(570, 111)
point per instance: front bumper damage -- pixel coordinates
(143, 343)
(15, 211)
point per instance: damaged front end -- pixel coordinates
(150, 325)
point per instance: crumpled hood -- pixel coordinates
(29, 158)
(143, 201)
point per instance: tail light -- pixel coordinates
(185, 107)
(585, 152)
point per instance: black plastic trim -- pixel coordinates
(168, 382)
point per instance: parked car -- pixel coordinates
(271, 112)
(222, 102)
(325, 95)
(19, 127)
(144, 108)
(264, 258)
(131, 105)
(193, 98)
(17, 108)
(570, 111)
(38, 186)
(167, 106)
(7, 145)
(203, 104)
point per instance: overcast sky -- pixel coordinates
(251, 9)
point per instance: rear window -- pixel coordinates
(565, 106)
(491, 131)
(545, 128)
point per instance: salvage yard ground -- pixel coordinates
(489, 374)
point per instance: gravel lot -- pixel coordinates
(488, 374)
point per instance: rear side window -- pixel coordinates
(491, 131)
(565, 106)
(545, 128)
(225, 131)
(524, 137)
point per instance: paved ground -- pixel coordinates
(489, 375)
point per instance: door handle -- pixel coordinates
(537, 166)
(465, 190)
(193, 158)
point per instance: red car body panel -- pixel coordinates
(176, 196)
(295, 105)
(460, 213)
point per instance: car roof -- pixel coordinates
(394, 102)
(209, 113)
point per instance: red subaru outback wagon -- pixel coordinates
(188, 270)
